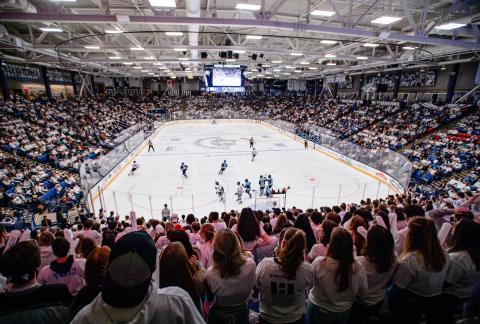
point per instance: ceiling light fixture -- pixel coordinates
(247, 6)
(370, 45)
(180, 50)
(173, 33)
(239, 51)
(450, 26)
(331, 63)
(253, 37)
(114, 57)
(296, 54)
(113, 31)
(323, 13)
(163, 3)
(51, 29)
(127, 63)
(312, 68)
(327, 41)
(91, 47)
(137, 48)
(183, 58)
(409, 47)
(149, 58)
(330, 55)
(362, 58)
(277, 62)
(385, 20)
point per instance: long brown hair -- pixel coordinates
(422, 238)
(248, 226)
(379, 248)
(292, 252)
(358, 240)
(341, 250)
(227, 255)
(467, 238)
(175, 270)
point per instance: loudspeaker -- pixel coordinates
(229, 54)
(223, 55)
(204, 55)
(254, 57)
(236, 56)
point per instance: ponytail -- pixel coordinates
(292, 254)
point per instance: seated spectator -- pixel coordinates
(128, 293)
(207, 233)
(284, 280)
(230, 279)
(324, 233)
(64, 269)
(25, 299)
(250, 230)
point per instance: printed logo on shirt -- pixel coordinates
(282, 292)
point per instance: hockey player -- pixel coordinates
(261, 183)
(254, 154)
(248, 187)
(239, 192)
(223, 167)
(268, 192)
(135, 166)
(252, 141)
(219, 191)
(184, 169)
(150, 146)
(269, 180)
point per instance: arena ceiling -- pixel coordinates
(302, 38)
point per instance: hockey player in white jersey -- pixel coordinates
(248, 187)
(223, 167)
(254, 154)
(135, 166)
(239, 192)
(220, 191)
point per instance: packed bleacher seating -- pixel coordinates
(367, 263)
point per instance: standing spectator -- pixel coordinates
(46, 222)
(213, 219)
(207, 232)
(165, 213)
(250, 230)
(129, 293)
(338, 281)
(64, 269)
(302, 222)
(378, 259)
(284, 280)
(230, 279)
(421, 273)
(324, 233)
(45, 241)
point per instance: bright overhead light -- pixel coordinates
(298, 71)
(385, 20)
(229, 60)
(443, 68)
(296, 54)
(91, 47)
(304, 62)
(409, 47)
(253, 37)
(163, 3)
(277, 70)
(277, 62)
(156, 63)
(362, 58)
(113, 31)
(327, 41)
(330, 55)
(183, 58)
(173, 33)
(286, 73)
(144, 71)
(137, 67)
(312, 68)
(114, 57)
(260, 75)
(137, 48)
(151, 73)
(239, 51)
(370, 45)
(289, 67)
(127, 63)
(450, 26)
(179, 49)
(51, 29)
(331, 63)
(276, 75)
(247, 6)
(323, 13)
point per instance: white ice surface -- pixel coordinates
(314, 179)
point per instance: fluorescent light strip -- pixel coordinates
(163, 3)
(51, 29)
(450, 26)
(180, 50)
(296, 54)
(149, 58)
(239, 51)
(370, 45)
(409, 48)
(127, 63)
(247, 6)
(323, 13)
(331, 63)
(173, 33)
(113, 31)
(137, 49)
(114, 57)
(330, 55)
(253, 37)
(91, 47)
(362, 58)
(277, 62)
(183, 58)
(385, 20)
(327, 41)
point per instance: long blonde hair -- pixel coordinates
(228, 257)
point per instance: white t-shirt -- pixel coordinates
(317, 250)
(400, 241)
(412, 275)
(282, 300)
(325, 292)
(377, 282)
(233, 290)
(462, 275)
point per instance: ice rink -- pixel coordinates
(314, 178)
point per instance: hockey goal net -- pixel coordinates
(268, 203)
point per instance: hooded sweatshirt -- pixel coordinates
(68, 273)
(166, 305)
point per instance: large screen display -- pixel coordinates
(227, 77)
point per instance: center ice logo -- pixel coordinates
(215, 143)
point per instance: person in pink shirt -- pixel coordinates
(64, 269)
